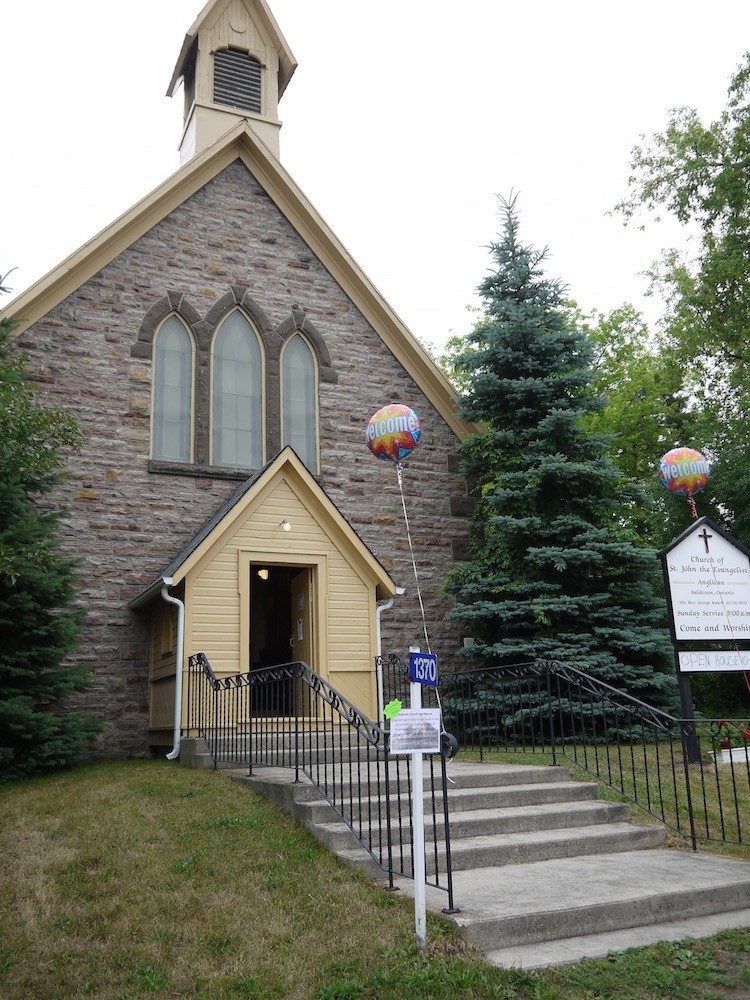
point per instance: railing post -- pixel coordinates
(296, 716)
(689, 740)
(250, 741)
(214, 727)
(550, 713)
(451, 907)
(388, 831)
(189, 693)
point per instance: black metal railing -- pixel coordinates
(674, 769)
(289, 716)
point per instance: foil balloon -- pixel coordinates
(684, 471)
(393, 432)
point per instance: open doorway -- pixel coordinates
(280, 631)
(280, 615)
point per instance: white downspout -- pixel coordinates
(379, 651)
(175, 751)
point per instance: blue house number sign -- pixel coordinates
(423, 669)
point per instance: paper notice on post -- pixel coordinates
(416, 730)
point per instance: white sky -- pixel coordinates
(402, 123)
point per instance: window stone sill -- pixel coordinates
(199, 471)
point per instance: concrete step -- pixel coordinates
(542, 845)
(505, 910)
(573, 949)
(509, 796)
(545, 816)
(543, 871)
(489, 825)
(477, 822)
(487, 804)
(500, 850)
(461, 774)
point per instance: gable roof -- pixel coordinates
(240, 142)
(289, 466)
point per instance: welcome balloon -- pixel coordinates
(684, 471)
(393, 432)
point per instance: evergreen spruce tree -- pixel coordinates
(38, 623)
(555, 571)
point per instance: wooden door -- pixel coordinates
(301, 640)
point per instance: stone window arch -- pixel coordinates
(205, 457)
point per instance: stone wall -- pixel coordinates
(126, 522)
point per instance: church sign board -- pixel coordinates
(707, 578)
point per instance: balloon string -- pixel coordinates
(693, 508)
(399, 470)
(411, 550)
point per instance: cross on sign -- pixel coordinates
(705, 536)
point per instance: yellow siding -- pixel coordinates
(348, 611)
(162, 704)
(360, 689)
(163, 641)
(344, 602)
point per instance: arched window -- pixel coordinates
(237, 398)
(172, 393)
(299, 401)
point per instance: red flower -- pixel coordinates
(725, 744)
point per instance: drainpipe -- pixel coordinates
(400, 591)
(175, 751)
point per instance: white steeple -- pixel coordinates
(234, 64)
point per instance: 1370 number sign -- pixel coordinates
(423, 669)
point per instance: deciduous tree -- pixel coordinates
(698, 174)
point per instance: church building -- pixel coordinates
(222, 353)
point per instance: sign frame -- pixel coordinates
(707, 584)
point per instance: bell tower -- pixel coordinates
(234, 65)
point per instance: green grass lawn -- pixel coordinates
(147, 880)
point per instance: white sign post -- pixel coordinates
(420, 889)
(416, 731)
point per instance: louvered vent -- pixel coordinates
(237, 80)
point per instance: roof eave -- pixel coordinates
(147, 596)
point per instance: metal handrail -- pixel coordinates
(641, 752)
(289, 716)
